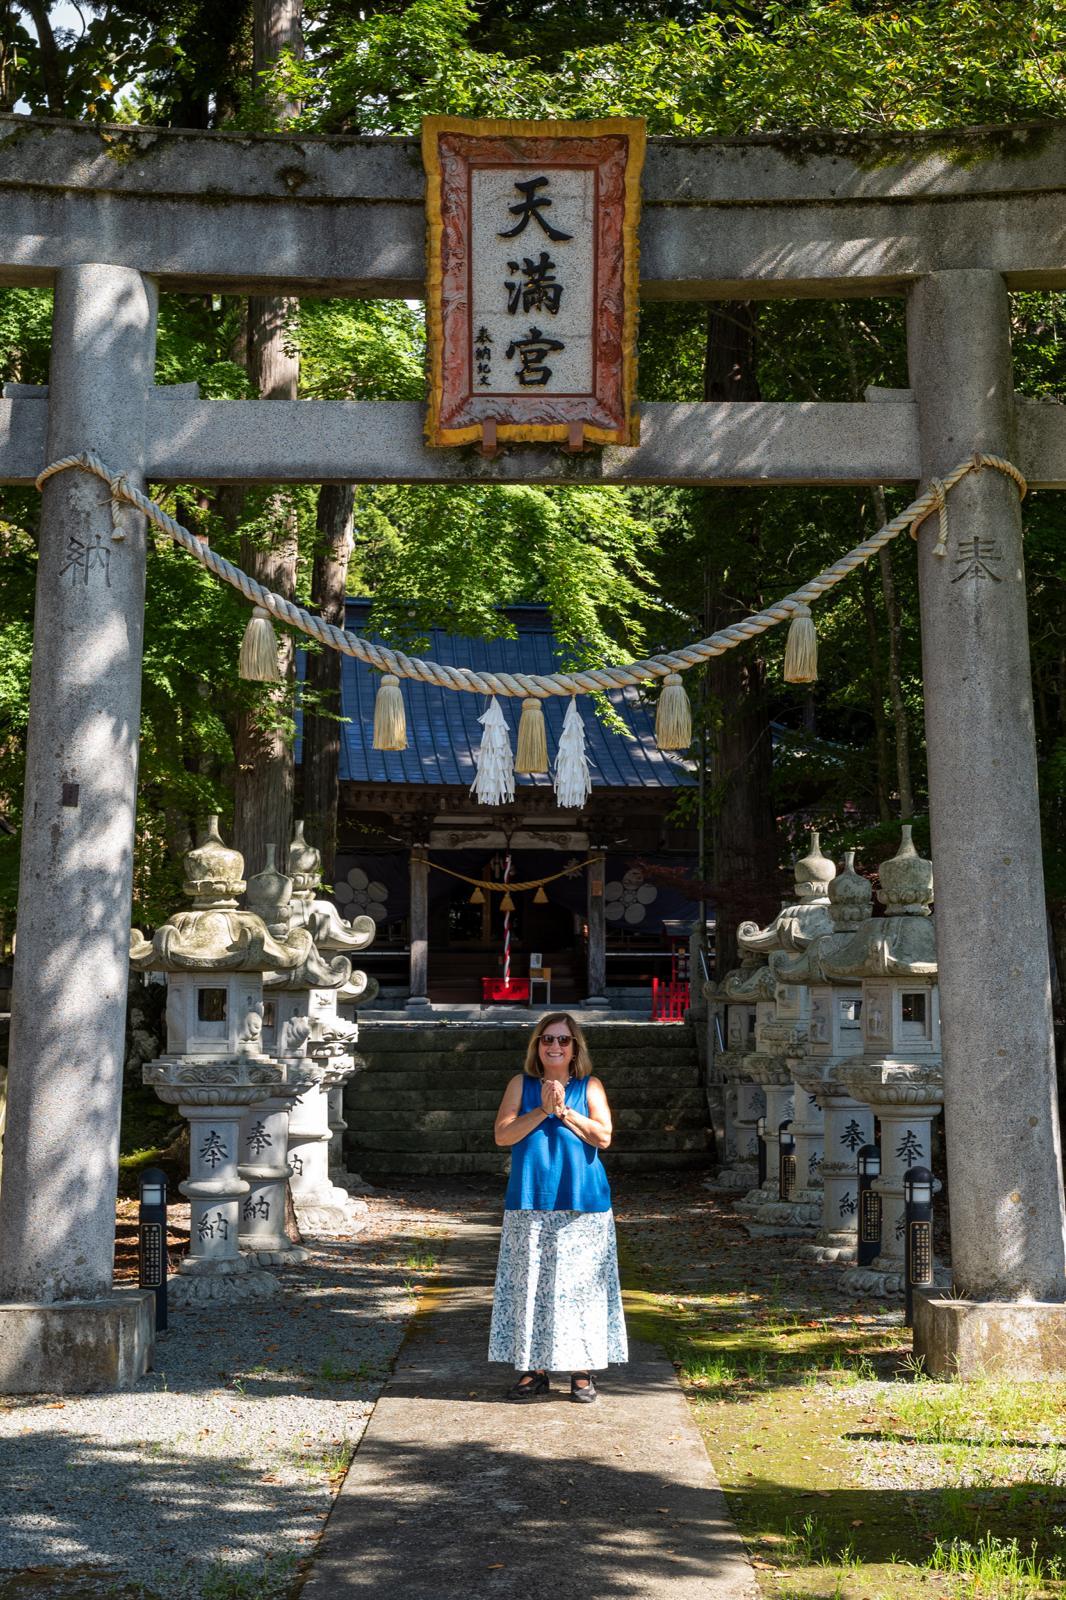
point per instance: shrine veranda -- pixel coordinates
(109, 217)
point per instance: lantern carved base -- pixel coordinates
(885, 1283)
(830, 1247)
(203, 1283)
(740, 1175)
(765, 1214)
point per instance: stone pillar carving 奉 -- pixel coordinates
(1003, 1140)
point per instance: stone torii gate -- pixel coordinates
(111, 216)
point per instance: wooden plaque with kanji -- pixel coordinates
(532, 280)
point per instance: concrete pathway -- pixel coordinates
(454, 1493)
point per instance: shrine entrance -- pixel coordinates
(952, 222)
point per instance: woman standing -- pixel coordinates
(557, 1304)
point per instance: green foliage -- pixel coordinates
(622, 570)
(823, 64)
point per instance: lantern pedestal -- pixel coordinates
(214, 1096)
(762, 1210)
(748, 993)
(848, 1126)
(973, 1338)
(745, 1104)
(339, 1175)
(321, 1206)
(265, 1168)
(907, 1099)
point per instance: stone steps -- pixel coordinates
(425, 1104)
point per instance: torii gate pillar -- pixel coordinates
(62, 1328)
(1008, 1223)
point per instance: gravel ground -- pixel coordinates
(214, 1476)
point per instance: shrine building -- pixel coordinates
(604, 924)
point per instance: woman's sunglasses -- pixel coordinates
(556, 1038)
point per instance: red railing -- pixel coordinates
(669, 999)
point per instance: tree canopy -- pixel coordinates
(621, 569)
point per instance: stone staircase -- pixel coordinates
(426, 1103)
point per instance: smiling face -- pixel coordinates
(556, 1050)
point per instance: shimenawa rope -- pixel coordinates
(584, 681)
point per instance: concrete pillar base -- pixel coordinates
(77, 1346)
(595, 1002)
(979, 1338)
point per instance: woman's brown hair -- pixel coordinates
(580, 1061)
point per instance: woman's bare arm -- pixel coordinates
(596, 1128)
(511, 1126)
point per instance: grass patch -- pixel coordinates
(850, 1474)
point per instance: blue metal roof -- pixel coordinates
(443, 732)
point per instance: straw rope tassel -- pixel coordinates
(390, 722)
(259, 649)
(801, 648)
(573, 782)
(494, 781)
(673, 715)
(531, 754)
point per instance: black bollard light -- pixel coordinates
(786, 1161)
(918, 1216)
(152, 1224)
(760, 1146)
(869, 1164)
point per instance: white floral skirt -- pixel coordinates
(557, 1302)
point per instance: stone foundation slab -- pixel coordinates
(975, 1338)
(77, 1346)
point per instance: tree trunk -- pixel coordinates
(895, 685)
(52, 73)
(322, 729)
(278, 26)
(264, 782)
(877, 696)
(742, 824)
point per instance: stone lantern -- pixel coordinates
(748, 995)
(215, 1068)
(305, 1025)
(833, 1037)
(742, 1101)
(777, 1035)
(899, 1072)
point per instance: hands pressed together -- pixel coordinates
(552, 1097)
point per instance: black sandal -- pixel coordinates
(528, 1387)
(584, 1394)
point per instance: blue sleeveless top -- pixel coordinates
(551, 1168)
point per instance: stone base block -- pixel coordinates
(975, 1338)
(77, 1346)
